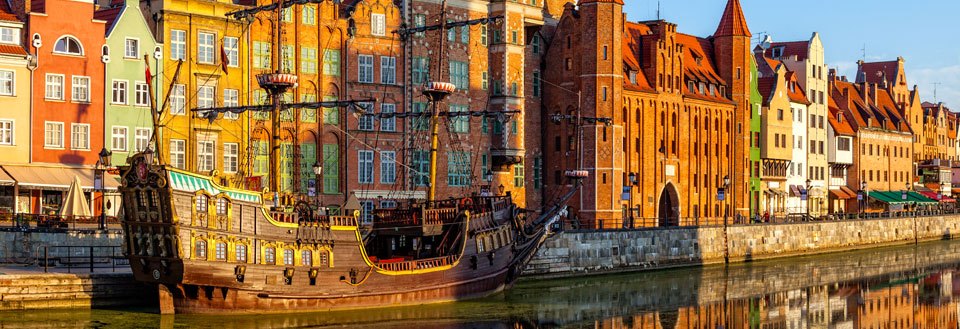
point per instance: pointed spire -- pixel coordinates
(732, 23)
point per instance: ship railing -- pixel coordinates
(284, 216)
(343, 221)
(417, 264)
(397, 217)
(439, 216)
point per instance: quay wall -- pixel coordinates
(23, 246)
(576, 253)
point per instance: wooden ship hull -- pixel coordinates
(212, 249)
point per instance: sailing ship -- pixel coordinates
(211, 248)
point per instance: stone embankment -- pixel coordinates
(30, 288)
(594, 252)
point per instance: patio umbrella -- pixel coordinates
(75, 204)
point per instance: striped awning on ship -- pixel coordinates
(190, 183)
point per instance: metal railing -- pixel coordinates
(37, 222)
(80, 257)
(417, 264)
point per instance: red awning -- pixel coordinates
(841, 194)
(933, 195)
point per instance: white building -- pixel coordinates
(840, 136)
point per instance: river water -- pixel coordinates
(896, 287)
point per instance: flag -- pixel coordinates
(224, 59)
(147, 74)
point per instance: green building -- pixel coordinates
(127, 120)
(755, 164)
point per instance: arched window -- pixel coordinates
(222, 206)
(221, 251)
(68, 45)
(201, 203)
(241, 253)
(306, 258)
(270, 255)
(200, 249)
(288, 257)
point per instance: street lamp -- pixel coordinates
(633, 182)
(148, 155)
(807, 196)
(726, 246)
(317, 171)
(501, 189)
(861, 198)
(99, 176)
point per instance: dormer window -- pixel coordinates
(633, 77)
(692, 86)
(777, 52)
(713, 90)
(9, 35)
(703, 88)
(698, 59)
(68, 45)
(839, 117)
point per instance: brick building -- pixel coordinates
(675, 132)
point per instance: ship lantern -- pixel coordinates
(501, 188)
(313, 273)
(288, 274)
(105, 157)
(317, 169)
(240, 271)
(148, 155)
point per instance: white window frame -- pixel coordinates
(84, 139)
(365, 166)
(388, 70)
(365, 68)
(206, 149)
(365, 122)
(118, 138)
(141, 138)
(204, 100)
(7, 129)
(12, 81)
(205, 52)
(178, 153)
(388, 124)
(141, 90)
(388, 167)
(378, 25)
(57, 93)
(119, 97)
(178, 100)
(310, 19)
(178, 44)
(231, 45)
(83, 91)
(9, 35)
(131, 53)
(65, 37)
(58, 144)
(231, 98)
(231, 157)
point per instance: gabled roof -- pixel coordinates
(765, 86)
(110, 15)
(840, 126)
(797, 95)
(879, 114)
(876, 72)
(733, 22)
(792, 48)
(631, 56)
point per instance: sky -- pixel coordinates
(923, 32)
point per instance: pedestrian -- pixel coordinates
(766, 217)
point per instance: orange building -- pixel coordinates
(674, 134)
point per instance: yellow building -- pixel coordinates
(201, 35)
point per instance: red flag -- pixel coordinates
(147, 74)
(224, 59)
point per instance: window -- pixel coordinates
(221, 249)
(465, 34)
(53, 135)
(287, 14)
(309, 15)
(388, 167)
(536, 83)
(779, 114)
(261, 54)
(231, 156)
(308, 114)
(388, 70)
(178, 102)
(288, 257)
(200, 250)
(205, 97)
(365, 70)
(68, 45)
(178, 44)
(6, 132)
(365, 121)
(222, 206)
(9, 35)
(308, 60)
(420, 122)
(80, 89)
(205, 45)
(378, 25)
(178, 153)
(460, 75)
(459, 124)
(231, 46)
(421, 166)
(306, 258)
(131, 48)
(458, 169)
(419, 20)
(483, 35)
(141, 138)
(241, 253)
(270, 255)
(518, 174)
(535, 44)
(205, 153)
(287, 59)
(80, 136)
(119, 92)
(118, 138)
(331, 62)
(421, 70)
(54, 87)
(7, 82)
(484, 80)
(365, 167)
(261, 152)
(331, 168)
(843, 143)
(142, 94)
(388, 123)
(366, 211)
(231, 97)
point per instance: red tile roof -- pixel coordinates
(882, 113)
(793, 48)
(6, 14)
(109, 15)
(631, 56)
(12, 50)
(732, 23)
(796, 93)
(878, 71)
(840, 126)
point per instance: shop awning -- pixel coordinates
(919, 198)
(841, 194)
(848, 191)
(887, 197)
(6, 180)
(933, 195)
(57, 178)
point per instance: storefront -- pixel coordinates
(40, 189)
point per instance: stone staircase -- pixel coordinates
(61, 290)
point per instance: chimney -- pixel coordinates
(873, 92)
